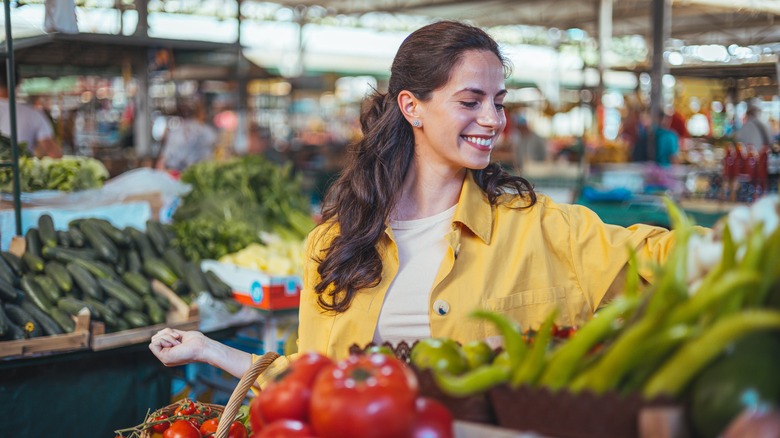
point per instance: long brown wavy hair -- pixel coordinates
(361, 199)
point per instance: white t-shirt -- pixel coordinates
(32, 125)
(421, 248)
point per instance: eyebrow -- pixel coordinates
(481, 92)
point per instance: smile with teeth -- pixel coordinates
(481, 141)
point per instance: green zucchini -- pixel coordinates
(114, 304)
(106, 314)
(63, 239)
(96, 268)
(15, 333)
(127, 297)
(46, 231)
(194, 278)
(121, 325)
(64, 255)
(218, 288)
(33, 262)
(154, 310)
(157, 235)
(137, 283)
(47, 324)
(7, 273)
(13, 261)
(135, 319)
(133, 261)
(4, 322)
(34, 292)
(63, 319)
(142, 244)
(103, 246)
(32, 242)
(109, 230)
(9, 293)
(156, 268)
(77, 238)
(175, 261)
(72, 306)
(24, 320)
(48, 286)
(163, 301)
(57, 272)
(85, 281)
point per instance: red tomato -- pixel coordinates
(237, 430)
(160, 428)
(288, 395)
(186, 407)
(285, 429)
(194, 421)
(377, 393)
(209, 427)
(434, 420)
(181, 429)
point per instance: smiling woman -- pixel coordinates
(421, 228)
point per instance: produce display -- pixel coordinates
(187, 419)
(66, 174)
(98, 266)
(232, 203)
(706, 331)
(277, 257)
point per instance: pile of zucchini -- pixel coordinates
(95, 265)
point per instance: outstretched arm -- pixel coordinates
(176, 347)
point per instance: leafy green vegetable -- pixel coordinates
(233, 202)
(67, 174)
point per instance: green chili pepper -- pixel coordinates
(564, 361)
(654, 352)
(676, 372)
(531, 368)
(731, 283)
(617, 360)
(473, 382)
(510, 330)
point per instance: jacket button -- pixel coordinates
(441, 307)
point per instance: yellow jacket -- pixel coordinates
(520, 262)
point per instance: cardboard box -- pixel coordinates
(257, 289)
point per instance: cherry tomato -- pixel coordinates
(237, 430)
(160, 428)
(376, 392)
(194, 421)
(181, 429)
(204, 410)
(186, 407)
(433, 420)
(285, 429)
(287, 396)
(209, 427)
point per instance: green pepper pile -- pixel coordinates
(654, 342)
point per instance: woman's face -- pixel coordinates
(463, 119)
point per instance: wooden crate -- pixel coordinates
(78, 340)
(180, 316)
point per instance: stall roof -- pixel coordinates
(57, 54)
(744, 22)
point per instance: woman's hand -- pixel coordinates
(176, 347)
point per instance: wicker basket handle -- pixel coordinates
(237, 397)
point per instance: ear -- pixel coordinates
(409, 105)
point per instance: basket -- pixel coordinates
(236, 398)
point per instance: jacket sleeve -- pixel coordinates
(600, 252)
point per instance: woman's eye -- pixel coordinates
(469, 104)
(500, 106)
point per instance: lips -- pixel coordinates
(484, 143)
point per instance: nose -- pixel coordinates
(491, 117)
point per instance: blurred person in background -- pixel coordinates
(187, 139)
(33, 127)
(530, 146)
(667, 144)
(754, 131)
(261, 143)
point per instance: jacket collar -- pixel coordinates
(474, 211)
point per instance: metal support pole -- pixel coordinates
(662, 18)
(11, 70)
